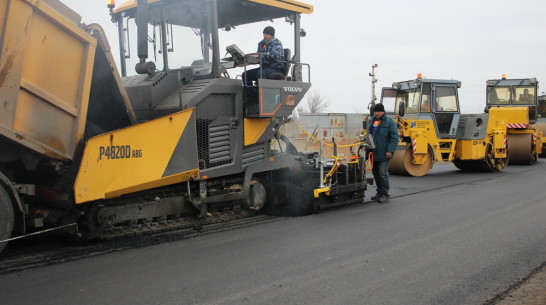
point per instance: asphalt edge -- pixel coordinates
(514, 286)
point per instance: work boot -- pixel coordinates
(377, 195)
(382, 199)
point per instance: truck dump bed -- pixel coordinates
(46, 66)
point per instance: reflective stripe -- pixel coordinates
(517, 125)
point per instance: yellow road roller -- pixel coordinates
(519, 95)
(432, 129)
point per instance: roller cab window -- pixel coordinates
(523, 95)
(411, 99)
(446, 99)
(498, 95)
(388, 99)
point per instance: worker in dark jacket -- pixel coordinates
(385, 135)
(271, 52)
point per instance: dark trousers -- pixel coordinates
(380, 173)
(251, 76)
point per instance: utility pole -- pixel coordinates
(374, 98)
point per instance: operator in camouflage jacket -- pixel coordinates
(271, 53)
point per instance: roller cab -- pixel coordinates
(518, 99)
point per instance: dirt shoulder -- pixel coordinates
(530, 291)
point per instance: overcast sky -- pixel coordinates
(468, 40)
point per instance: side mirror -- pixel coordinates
(401, 111)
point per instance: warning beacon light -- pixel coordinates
(504, 76)
(111, 4)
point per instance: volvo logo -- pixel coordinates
(293, 89)
(290, 100)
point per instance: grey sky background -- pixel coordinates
(471, 41)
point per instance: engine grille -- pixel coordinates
(253, 153)
(213, 142)
(219, 145)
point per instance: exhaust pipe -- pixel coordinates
(143, 67)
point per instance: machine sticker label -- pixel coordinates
(421, 124)
(290, 100)
(412, 124)
(119, 152)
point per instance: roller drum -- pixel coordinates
(402, 163)
(521, 149)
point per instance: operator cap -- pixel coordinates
(269, 30)
(379, 107)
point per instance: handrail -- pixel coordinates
(291, 62)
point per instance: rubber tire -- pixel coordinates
(6, 217)
(498, 164)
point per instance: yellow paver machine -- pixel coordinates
(101, 153)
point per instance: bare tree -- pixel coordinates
(316, 102)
